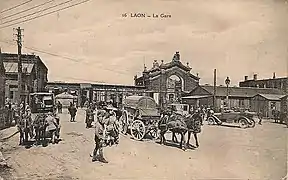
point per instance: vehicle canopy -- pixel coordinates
(145, 104)
(42, 102)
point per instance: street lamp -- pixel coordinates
(227, 82)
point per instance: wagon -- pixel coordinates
(140, 115)
(244, 119)
(42, 103)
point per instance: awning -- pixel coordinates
(12, 67)
(196, 97)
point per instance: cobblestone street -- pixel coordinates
(224, 153)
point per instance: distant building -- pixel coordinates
(278, 83)
(2, 82)
(95, 92)
(266, 103)
(34, 74)
(166, 82)
(238, 97)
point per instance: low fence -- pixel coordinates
(6, 118)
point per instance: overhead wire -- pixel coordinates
(51, 7)
(5, 10)
(36, 17)
(63, 57)
(23, 11)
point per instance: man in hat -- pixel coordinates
(99, 138)
(28, 117)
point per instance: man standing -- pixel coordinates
(89, 116)
(59, 106)
(99, 138)
(72, 110)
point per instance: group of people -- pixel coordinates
(106, 129)
(35, 128)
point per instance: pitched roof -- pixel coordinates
(12, 67)
(272, 97)
(240, 91)
(26, 58)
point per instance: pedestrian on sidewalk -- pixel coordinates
(72, 110)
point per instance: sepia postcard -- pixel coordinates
(143, 90)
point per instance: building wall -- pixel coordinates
(96, 93)
(279, 83)
(259, 103)
(284, 105)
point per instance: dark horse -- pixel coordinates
(174, 123)
(187, 123)
(40, 127)
(193, 123)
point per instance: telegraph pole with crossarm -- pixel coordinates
(20, 81)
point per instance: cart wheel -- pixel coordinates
(243, 123)
(211, 121)
(123, 123)
(251, 123)
(154, 133)
(138, 130)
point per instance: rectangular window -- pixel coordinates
(185, 108)
(11, 94)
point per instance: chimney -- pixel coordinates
(245, 78)
(255, 77)
(155, 64)
(274, 75)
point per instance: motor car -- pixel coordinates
(245, 119)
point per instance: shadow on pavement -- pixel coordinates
(230, 126)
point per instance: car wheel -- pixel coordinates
(243, 123)
(211, 121)
(252, 123)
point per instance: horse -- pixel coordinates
(174, 123)
(193, 122)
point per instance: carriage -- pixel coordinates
(41, 104)
(140, 115)
(244, 119)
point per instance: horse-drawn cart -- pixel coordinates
(43, 113)
(140, 115)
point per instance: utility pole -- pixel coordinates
(214, 92)
(19, 45)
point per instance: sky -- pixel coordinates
(94, 43)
